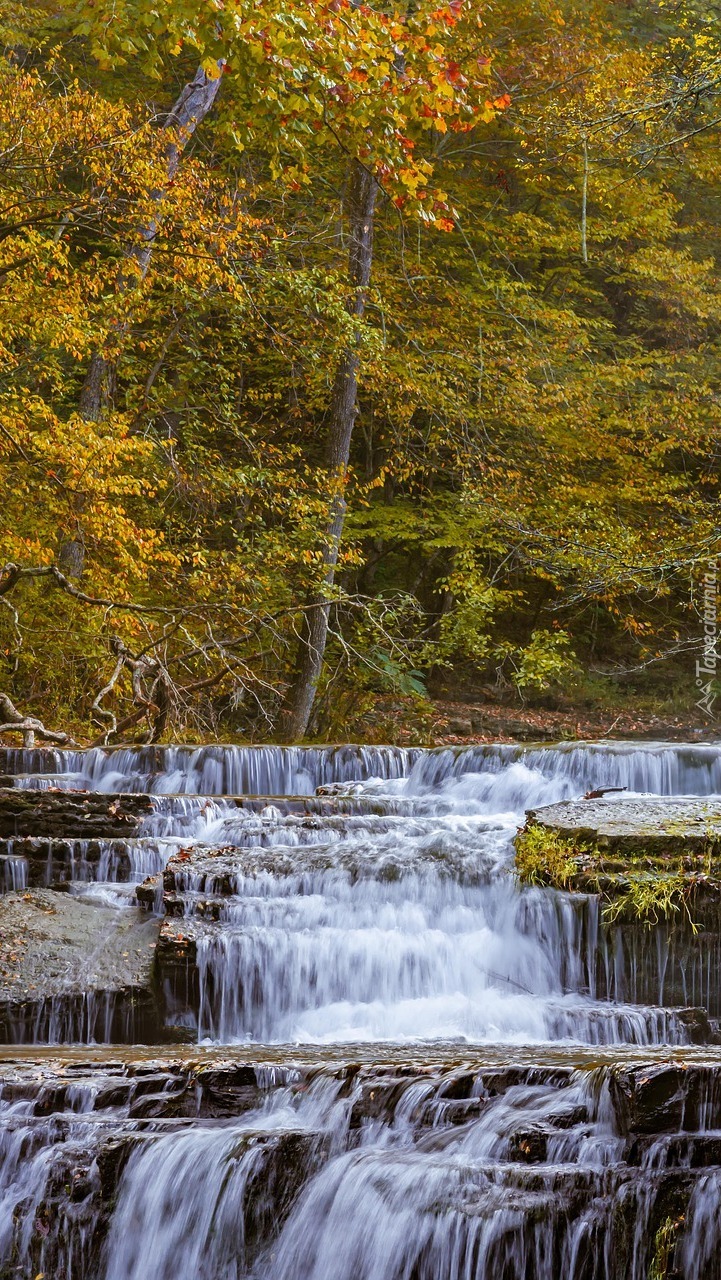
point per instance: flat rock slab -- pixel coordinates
(70, 814)
(655, 825)
(658, 861)
(53, 945)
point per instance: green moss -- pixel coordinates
(652, 897)
(663, 1247)
(631, 887)
(545, 857)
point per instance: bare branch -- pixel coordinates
(29, 726)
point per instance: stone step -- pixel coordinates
(672, 1093)
(666, 1097)
(70, 814)
(47, 862)
(85, 1119)
(70, 970)
(651, 858)
(230, 869)
(128, 1015)
(653, 827)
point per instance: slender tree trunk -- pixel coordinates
(189, 110)
(296, 710)
(97, 392)
(584, 204)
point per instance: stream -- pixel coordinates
(372, 1055)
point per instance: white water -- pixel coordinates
(417, 928)
(388, 910)
(660, 768)
(407, 1196)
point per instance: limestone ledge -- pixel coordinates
(648, 858)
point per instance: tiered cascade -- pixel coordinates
(383, 1064)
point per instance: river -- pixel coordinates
(437, 1087)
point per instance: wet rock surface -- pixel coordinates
(643, 878)
(46, 861)
(68, 814)
(68, 967)
(567, 1163)
(658, 826)
(53, 944)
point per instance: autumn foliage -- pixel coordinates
(533, 479)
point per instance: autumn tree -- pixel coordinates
(78, 172)
(358, 79)
(525, 482)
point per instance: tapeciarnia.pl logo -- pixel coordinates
(706, 668)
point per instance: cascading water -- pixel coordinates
(357, 1173)
(657, 768)
(360, 905)
(414, 928)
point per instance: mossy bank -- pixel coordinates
(649, 859)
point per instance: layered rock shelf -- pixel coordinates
(102, 1132)
(612, 845)
(71, 970)
(643, 876)
(67, 815)
(670, 827)
(48, 862)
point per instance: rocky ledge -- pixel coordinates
(656, 826)
(68, 815)
(71, 969)
(653, 855)
(632, 1148)
(643, 880)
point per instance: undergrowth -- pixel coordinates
(663, 1247)
(545, 857)
(549, 858)
(653, 897)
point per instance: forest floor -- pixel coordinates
(477, 715)
(461, 722)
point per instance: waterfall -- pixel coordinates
(361, 1172)
(382, 1058)
(369, 894)
(570, 769)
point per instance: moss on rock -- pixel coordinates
(645, 861)
(546, 857)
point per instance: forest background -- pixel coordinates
(358, 363)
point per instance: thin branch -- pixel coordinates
(29, 726)
(584, 203)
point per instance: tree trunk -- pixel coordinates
(296, 710)
(189, 110)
